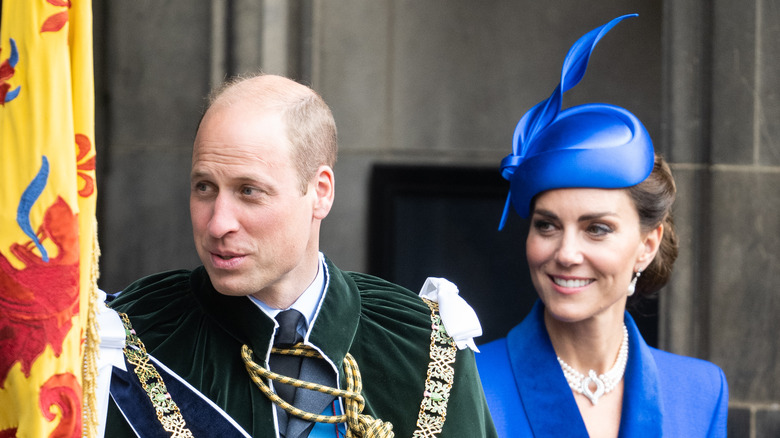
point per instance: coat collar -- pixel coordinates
(643, 408)
(545, 394)
(334, 324)
(336, 320)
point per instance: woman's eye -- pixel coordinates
(599, 229)
(543, 226)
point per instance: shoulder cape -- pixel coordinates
(198, 334)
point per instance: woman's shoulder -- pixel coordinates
(495, 371)
(686, 363)
(694, 394)
(689, 371)
(493, 352)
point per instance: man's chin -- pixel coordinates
(227, 285)
(232, 293)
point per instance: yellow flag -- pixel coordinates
(48, 243)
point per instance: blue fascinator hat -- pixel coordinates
(593, 145)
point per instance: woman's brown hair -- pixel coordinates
(653, 199)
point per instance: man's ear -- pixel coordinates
(650, 245)
(324, 187)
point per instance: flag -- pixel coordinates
(48, 233)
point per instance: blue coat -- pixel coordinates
(664, 394)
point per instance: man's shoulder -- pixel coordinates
(156, 297)
(368, 283)
(160, 305)
(379, 293)
(398, 341)
(375, 307)
(164, 282)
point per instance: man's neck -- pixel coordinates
(307, 301)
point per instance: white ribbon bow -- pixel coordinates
(459, 318)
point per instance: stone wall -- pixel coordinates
(443, 82)
(721, 118)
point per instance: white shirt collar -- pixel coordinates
(307, 303)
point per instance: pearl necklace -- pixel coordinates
(606, 382)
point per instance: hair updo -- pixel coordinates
(653, 199)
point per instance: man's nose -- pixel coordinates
(223, 216)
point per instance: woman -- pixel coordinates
(601, 233)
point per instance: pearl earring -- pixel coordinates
(632, 285)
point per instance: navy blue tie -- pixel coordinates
(283, 364)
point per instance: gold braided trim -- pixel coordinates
(441, 375)
(167, 411)
(358, 425)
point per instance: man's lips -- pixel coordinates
(226, 260)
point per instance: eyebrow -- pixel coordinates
(204, 174)
(583, 218)
(198, 175)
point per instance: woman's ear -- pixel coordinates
(650, 245)
(324, 190)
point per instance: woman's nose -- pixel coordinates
(569, 251)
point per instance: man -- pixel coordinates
(261, 183)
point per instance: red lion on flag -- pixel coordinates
(38, 301)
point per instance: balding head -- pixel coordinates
(309, 122)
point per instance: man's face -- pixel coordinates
(254, 229)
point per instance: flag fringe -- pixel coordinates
(91, 348)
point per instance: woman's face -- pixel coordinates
(583, 247)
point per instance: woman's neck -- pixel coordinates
(587, 345)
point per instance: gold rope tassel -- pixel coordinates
(358, 425)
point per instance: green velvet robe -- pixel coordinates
(198, 333)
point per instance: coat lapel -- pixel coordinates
(548, 401)
(335, 322)
(642, 405)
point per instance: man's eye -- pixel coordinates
(250, 191)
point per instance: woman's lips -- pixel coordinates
(570, 285)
